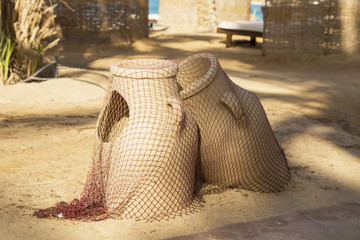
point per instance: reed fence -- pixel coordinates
(102, 21)
(311, 26)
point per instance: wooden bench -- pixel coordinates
(229, 33)
(151, 22)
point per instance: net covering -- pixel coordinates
(144, 162)
(238, 147)
(169, 130)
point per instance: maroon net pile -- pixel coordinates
(165, 129)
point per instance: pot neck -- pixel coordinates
(196, 73)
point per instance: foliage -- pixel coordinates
(29, 24)
(6, 56)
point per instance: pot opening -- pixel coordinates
(113, 118)
(192, 71)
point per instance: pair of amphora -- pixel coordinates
(164, 122)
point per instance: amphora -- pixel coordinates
(238, 147)
(147, 139)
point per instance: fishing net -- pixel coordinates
(144, 162)
(238, 147)
(166, 129)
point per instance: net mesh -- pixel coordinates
(238, 147)
(144, 163)
(166, 130)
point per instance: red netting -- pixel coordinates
(147, 150)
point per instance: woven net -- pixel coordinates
(144, 163)
(102, 21)
(238, 147)
(167, 128)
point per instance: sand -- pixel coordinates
(47, 132)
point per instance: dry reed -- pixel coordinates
(29, 24)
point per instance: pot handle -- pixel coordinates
(177, 111)
(233, 103)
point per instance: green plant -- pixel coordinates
(25, 26)
(39, 52)
(7, 50)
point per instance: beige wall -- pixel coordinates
(232, 10)
(178, 14)
(201, 15)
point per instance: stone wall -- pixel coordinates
(233, 10)
(201, 15)
(178, 14)
(206, 15)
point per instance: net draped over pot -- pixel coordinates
(238, 147)
(144, 164)
(165, 128)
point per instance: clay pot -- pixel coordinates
(145, 162)
(238, 146)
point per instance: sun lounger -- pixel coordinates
(253, 29)
(153, 19)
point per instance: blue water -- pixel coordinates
(154, 6)
(154, 9)
(257, 9)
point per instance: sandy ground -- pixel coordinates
(47, 133)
